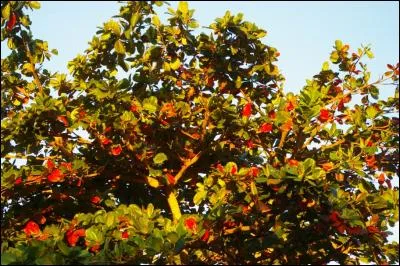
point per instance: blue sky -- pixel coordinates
(303, 32)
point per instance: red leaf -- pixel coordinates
(370, 161)
(247, 110)
(289, 106)
(116, 150)
(73, 236)
(125, 235)
(11, 22)
(205, 236)
(67, 166)
(341, 228)
(233, 170)
(95, 199)
(373, 229)
(94, 248)
(220, 168)
(133, 108)
(324, 115)
(50, 165)
(55, 176)
(18, 181)
(356, 230)
(171, 178)
(31, 228)
(191, 224)
(104, 140)
(265, 128)
(272, 115)
(293, 162)
(250, 144)
(334, 216)
(254, 171)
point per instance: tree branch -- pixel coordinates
(32, 62)
(186, 165)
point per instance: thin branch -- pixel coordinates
(32, 62)
(186, 165)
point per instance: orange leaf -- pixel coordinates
(327, 166)
(63, 119)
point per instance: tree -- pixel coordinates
(196, 155)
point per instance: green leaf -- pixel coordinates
(134, 19)
(309, 164)
(373, 90)
(127, 116)
(119, 47)
(282, 117)
(160, 158)
(150, 104)
(369, 54)
(65, 250)
(110, 219)
(334, 57)
(261, 180)
(150, 210)
(238, 82)
(199, 197)
(253, 189)
(261, 34)
(7, 258)
(112, 26)
(193, 24)
(109, 203)
(93, 234)
(47, 259)
(371, 112)
(175, 64)
(156, 21)
(172, 237)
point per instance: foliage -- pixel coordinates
(195, 155)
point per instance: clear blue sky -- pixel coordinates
(303, 32)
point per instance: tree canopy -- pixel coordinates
(196, 155)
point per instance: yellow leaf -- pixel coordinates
(175, 64)
(156, 21)
(59, 141)
(152, 182)
(253, 189)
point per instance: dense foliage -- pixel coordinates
(193, 153)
